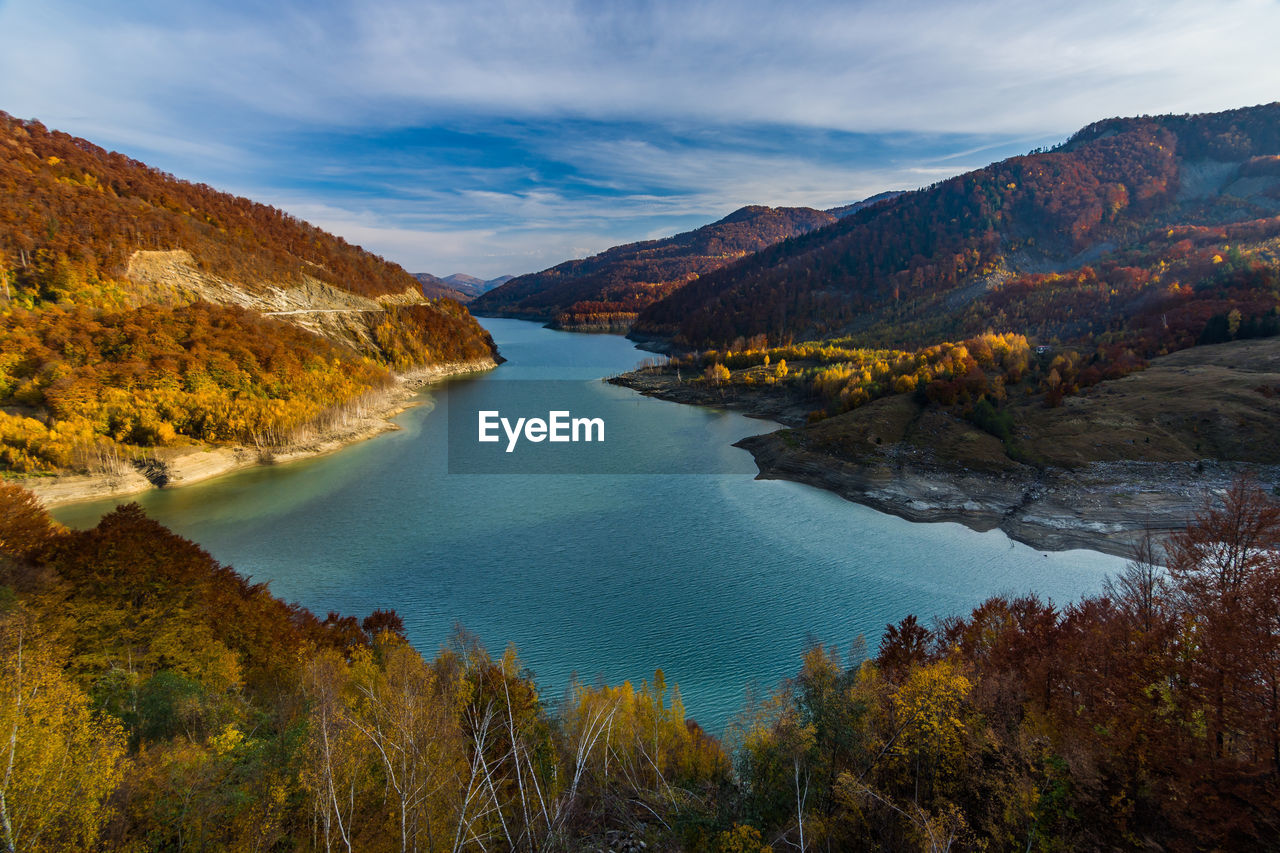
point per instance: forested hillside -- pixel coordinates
(153, 699)
(140, 311)
(606, 290)
(1134, 232)
(994, 298)
(71, 214)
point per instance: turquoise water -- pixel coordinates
(719, 579)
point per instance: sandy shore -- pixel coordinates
(182, 466)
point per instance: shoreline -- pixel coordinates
(1104, 506)
(177, 467)
(1109, 507)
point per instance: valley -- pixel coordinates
(1037, 578)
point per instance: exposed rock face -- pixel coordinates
(172, 278)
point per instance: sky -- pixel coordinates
(504, 136)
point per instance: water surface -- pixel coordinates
(718, 579)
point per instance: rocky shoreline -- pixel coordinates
(174, 467)
(1106, 506)
(1102, 506)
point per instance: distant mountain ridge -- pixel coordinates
(849, 209)
(434, 287)
(459, 286)
(461, 279)
(1056, 244)
(606, 290)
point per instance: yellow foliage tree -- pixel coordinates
(61, 760)
(930, 708)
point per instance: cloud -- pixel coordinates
(581, 120)
(601, 186)
(1016, 67)
(872, 66)
(487, 252)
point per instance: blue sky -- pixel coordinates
(497, 137)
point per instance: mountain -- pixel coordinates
(850, 209)
(142, 311)
(1137, 230)
(1074, 345)
(437, 288)
(459, 286)
(606, 290)
(465, 287)
(465, 282)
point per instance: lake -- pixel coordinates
(691, 565)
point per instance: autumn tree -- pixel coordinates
(61, 759)
(1141, 588)
(404, 713)
(1225, 570)
(25, 525)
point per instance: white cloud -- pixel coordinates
(208, 91)
(1002, 66)
(486, 252)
